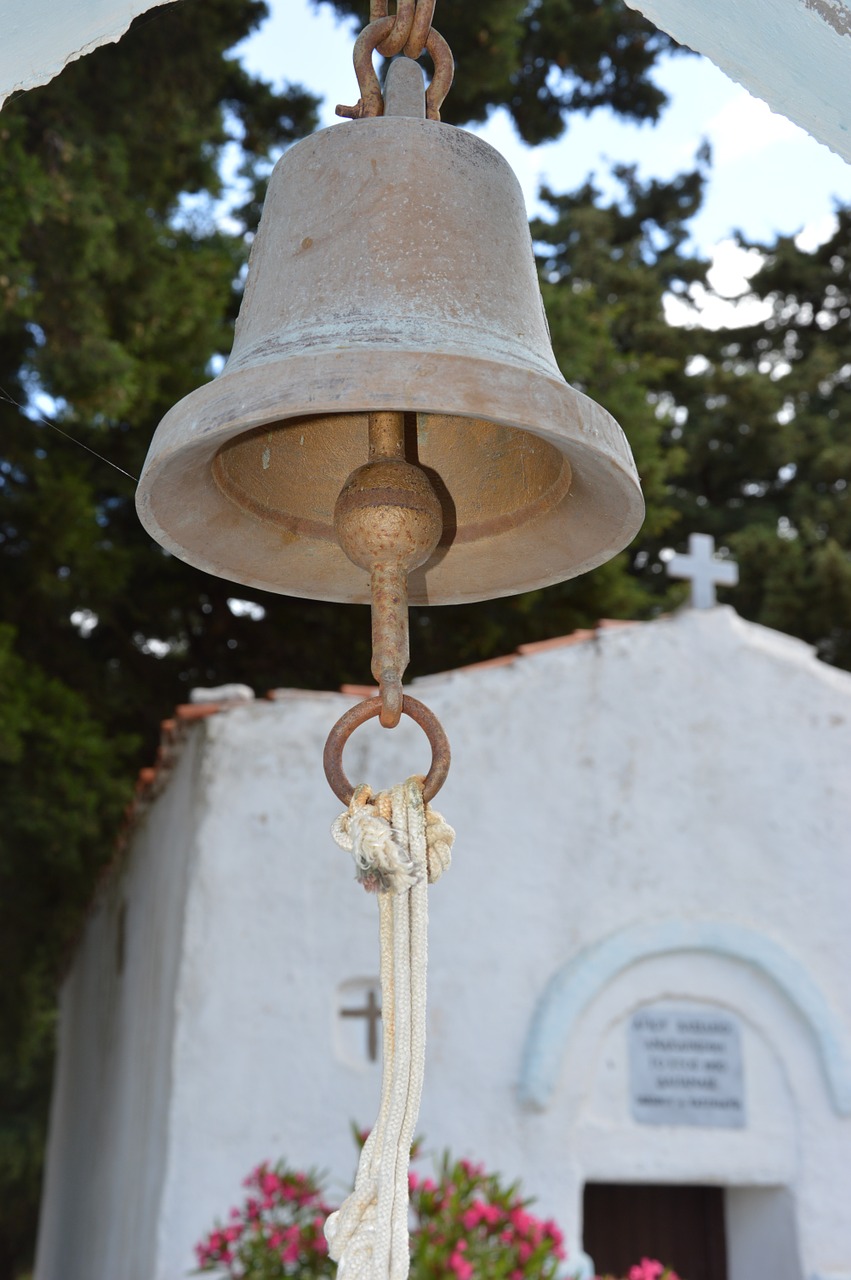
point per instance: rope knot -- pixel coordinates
(382, 863)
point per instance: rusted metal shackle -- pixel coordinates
(344, 728)
(408, 30)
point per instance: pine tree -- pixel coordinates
(774, 462)
(117, 287)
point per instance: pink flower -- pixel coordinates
(459, 1264)
(647, 1269)
(521, 1220)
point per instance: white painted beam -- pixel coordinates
(794, 54)
(40, 37)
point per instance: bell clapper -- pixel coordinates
(388, 520)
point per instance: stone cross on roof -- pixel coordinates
(702, 568)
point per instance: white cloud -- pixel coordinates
(745, 126)
(817, 232)
(731, 269)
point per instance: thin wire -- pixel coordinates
(4, 395)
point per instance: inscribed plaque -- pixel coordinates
(686, 1068)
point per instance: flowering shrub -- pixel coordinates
(276, 1233)
(468, 1225)
(465, 1225)
(647, 1269)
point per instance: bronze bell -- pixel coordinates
(392, 271)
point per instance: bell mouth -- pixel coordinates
(490, 479)
(536, 482)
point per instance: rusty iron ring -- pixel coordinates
(371, 102)
(413, 23)
(367, 710)
(420, 28)
(403, 22)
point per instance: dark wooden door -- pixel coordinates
(681, 1226)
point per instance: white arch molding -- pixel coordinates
(572, 988)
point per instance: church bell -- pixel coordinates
(392, 272)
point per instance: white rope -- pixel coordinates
(398, 845)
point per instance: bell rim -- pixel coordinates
(325, 382)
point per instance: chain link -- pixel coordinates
(407, 31)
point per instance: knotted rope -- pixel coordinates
(399, 846)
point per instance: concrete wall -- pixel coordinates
(660, 814)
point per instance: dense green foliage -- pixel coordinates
(119, 281)
(769, 458)
(116, 288)
(61, 804)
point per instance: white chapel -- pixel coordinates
(639, 996)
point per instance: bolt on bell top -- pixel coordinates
(392, 271)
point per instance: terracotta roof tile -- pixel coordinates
(504, 660)
(557, 642)
(200, 710)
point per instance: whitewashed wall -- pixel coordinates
(658, 814)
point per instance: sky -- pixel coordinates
(768, 175)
